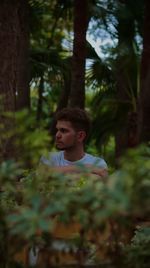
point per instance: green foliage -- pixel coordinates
(29, 140)
(136, 176)
(138, 254)
(32, 206)
(32, 140)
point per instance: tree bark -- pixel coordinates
(77, 94)
(40, 99)
(22, 83)
(13, 68)
(144, 100)
(126, 78)
(66, 86)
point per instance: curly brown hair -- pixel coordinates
(79, 118)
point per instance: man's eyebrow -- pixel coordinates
(61, 128)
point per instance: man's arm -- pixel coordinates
(87, 169)
(101, 172)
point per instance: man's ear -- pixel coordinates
(81, 135)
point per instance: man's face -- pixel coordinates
(66, 137)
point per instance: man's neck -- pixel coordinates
(74, 155)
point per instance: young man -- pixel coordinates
(72, 128)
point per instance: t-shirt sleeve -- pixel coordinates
(49, 160)
(100, 162)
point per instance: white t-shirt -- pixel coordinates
(57, 159)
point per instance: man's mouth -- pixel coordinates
(58, 142)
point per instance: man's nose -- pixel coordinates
(58, 134)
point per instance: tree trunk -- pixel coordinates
(77, 95)
(22, 83)
(126, 78)
(66, 87)
(13, 68)
(63, 102)
(144, 121)
(40, 99)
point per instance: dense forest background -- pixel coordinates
(47, 64)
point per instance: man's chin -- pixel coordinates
(60, 147)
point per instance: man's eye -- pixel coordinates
(63, 130)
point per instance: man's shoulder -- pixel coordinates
(56, 154)
(95, 160)
(52, 158)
